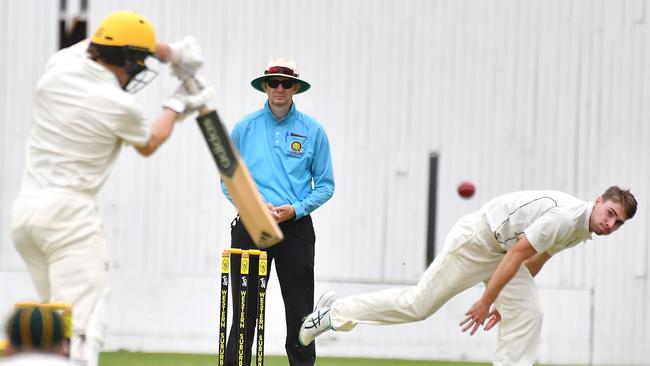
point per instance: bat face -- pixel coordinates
(219, 143)
(255, 216)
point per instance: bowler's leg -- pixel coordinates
(406, 305)
(469, 256)
(521, 321)
(467, 259)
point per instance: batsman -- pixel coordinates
(84, 112)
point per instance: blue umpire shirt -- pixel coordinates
(284, 156)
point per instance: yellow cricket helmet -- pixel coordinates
(126, 28)
(126, 38)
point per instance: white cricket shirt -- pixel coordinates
(551, 220)
(80, 118)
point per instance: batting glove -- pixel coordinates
(185, 57)
(184, 103)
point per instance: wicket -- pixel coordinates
(245, 256)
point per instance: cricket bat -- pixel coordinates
(253, 212)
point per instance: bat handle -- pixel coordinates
(192, 86)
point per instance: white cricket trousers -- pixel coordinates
(470, 256)
(60, 236)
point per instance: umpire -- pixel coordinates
(288, 155)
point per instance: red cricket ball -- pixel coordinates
(466, 189)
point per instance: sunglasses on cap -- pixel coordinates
(274, 83)
(280, 70)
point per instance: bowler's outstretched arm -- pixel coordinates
(506, 270)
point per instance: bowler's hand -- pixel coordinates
(475, 317)
(285, 213)
(494, 318)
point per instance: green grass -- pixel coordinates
(124, 358)
(178, 359)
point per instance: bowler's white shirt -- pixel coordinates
(551, 220)
(80, 118)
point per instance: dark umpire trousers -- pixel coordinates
(294, 264)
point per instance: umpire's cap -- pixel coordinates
(284, 67)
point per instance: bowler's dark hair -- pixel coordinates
(623, 196)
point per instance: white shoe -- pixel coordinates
(325, 300)
(314, 325)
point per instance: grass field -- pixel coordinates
(124, 358)
(176, 359)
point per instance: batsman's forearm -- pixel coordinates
(162, 51)
(160, 131)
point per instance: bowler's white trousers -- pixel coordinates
(60, 236)
(470, 256)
